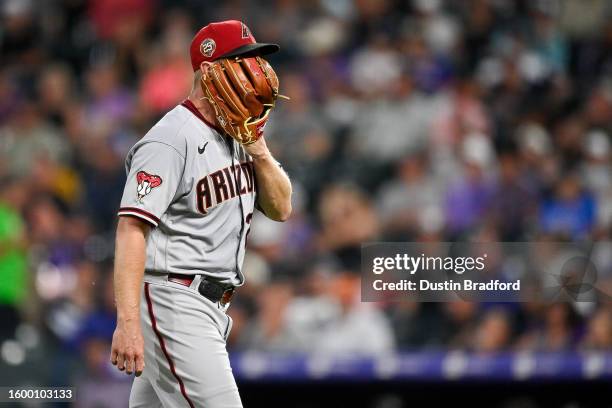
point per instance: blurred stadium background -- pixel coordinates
(410, 120)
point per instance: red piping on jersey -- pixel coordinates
(139, 211)
(162, 344)
(189, 105)
(141, 219)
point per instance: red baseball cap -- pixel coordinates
(223, 40)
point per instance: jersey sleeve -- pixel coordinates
(154, 174)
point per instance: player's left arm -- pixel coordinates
(273, 184)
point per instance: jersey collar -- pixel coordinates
(191, 107)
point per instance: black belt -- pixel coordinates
(213, 291)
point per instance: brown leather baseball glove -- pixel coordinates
(242, 91)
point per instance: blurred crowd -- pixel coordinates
(409, 120)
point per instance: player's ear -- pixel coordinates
(204, 67)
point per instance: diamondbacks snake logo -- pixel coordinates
(146, 183)
(245, 31)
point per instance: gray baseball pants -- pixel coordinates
(186, 361)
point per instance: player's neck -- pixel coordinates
(197, 98)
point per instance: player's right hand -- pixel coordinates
(127, 349)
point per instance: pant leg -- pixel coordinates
(188, 364)
(143, 395)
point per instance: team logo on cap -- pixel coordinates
(208, 47)
(146, 183)
(245, 31)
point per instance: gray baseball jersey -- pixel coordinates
(197, 187)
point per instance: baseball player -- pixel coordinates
(193, 183)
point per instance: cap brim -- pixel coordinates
(250, 50)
